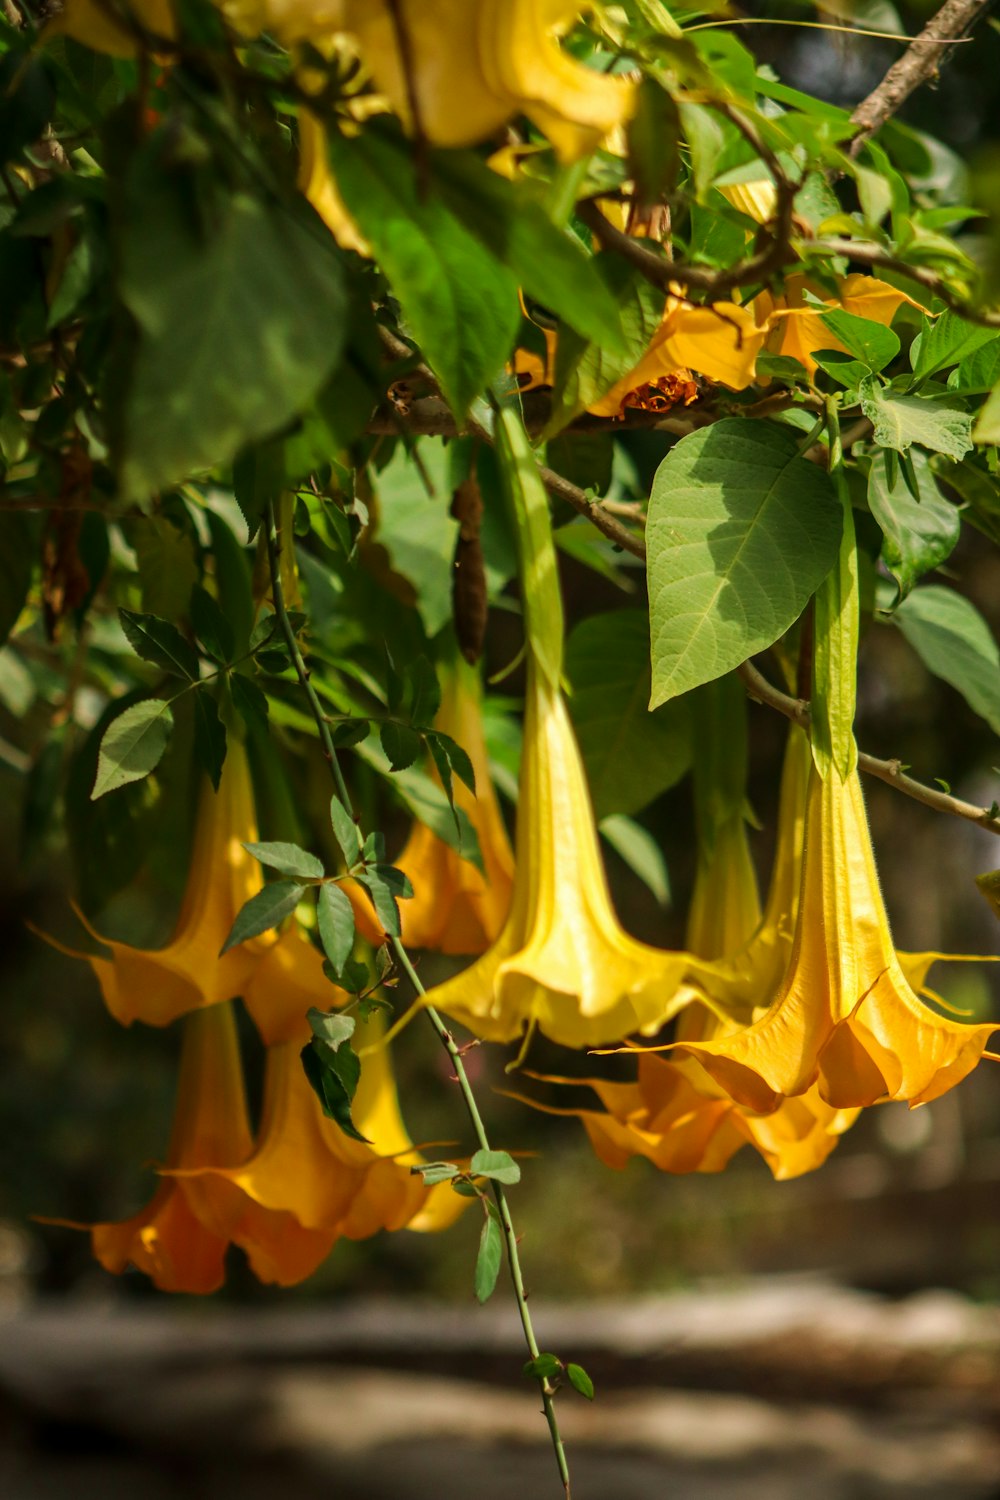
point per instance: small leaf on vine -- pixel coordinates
(488, 1260)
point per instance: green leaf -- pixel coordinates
(580, 1381)
(741, 532)
(400, 743)
(978, 372)
(543, 1367)
(418, 530)
(27, 97)
(987, 428)
(345, 831)
(946, 340)
(460, 302)
(161, 643)
(335, 917)
(18, 549)
(250, 702)
(550, 264)
(434, 1172)
(331, 1027)
(640, 851)
(607, 663)
(239, 324)
(488, 1260)
(901, 420)
(333, 1073)
(920, 530)
(211, 626)
(955, 643)
(209, 735)
(385, 884)
(653, 142)
(288, 859)
(258, 476)
(872, 343)
(133, 745)
(267, 909)
(529, 509)
(425, 692)
(835, 653)
(499, 1166)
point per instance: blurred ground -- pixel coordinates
(766, 1391)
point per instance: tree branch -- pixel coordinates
(797, 709)
(920, 62)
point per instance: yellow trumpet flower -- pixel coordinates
(794, 327)
(169, 1240)
(562, 962)
(304, 1165)
(156, 985)
(845, 1014)
(455, 908)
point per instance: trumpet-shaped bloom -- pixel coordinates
(562, 962)
(473, 64)
(845, 1014)
(156, 985)
(455, 908)
(304, 1165)
(178, 1247)
(795, 328)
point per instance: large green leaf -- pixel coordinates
(417, 529)
(741, 532)
(920, 529)
(238, 325)
(955, 643)
(549, 264)
(870, 342)
(900, 420)
(459, 300)
(607, 663)
(133, 745)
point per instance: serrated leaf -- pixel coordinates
(335, 917)
(978, 372)
(543, 1367)
(580, 1381)
(348, 732)
(920, 530)
(899, 420)
(211, 626)
(425, 692)
(946, 340)
(741, 532)
(160, 642)
(488, 1260)
(458, 759)
(333, 1077)
(209, 735)
(289, 859)
(607, 663)
(267, 909)
(345, 831)
(499, 1166)
(400, 743)
(133, 745)
(955, 643)
(872, 343)
(386, 885)
(250, 702)
(331, 1027)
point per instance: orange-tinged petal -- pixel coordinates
(562, 962)
(455, 908)
(158, 985)
(317, 182)
(286, 982)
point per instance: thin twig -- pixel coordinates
(444, 1035)
(891, 771)
(921, 61)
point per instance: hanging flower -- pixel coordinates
(305, 1166)
(156, 985)
(170, 1240)
(455, 907)
(845, 1014)
(562, 962)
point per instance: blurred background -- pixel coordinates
(839, 1332)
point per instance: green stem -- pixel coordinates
(444, 1035)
